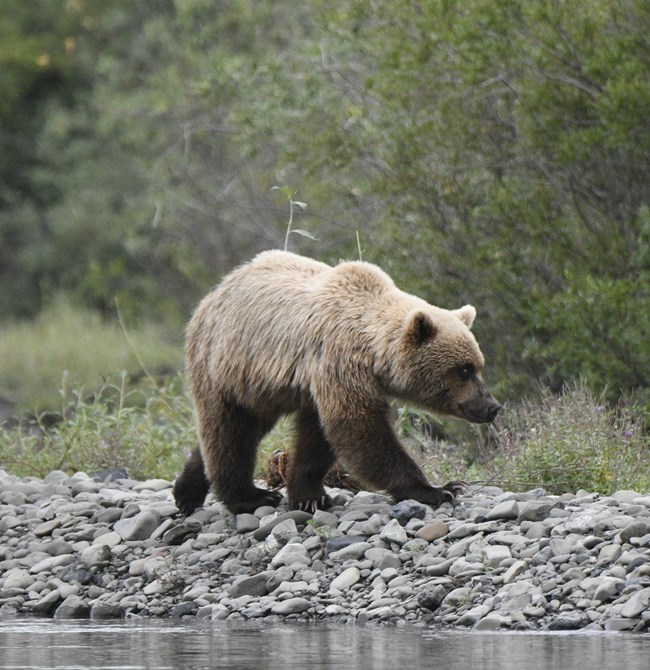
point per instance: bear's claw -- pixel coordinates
(310, 506)
(454, 488)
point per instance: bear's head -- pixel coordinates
(441, 364)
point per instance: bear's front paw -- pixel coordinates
(453, 488)
(312, 504)
(431, 495)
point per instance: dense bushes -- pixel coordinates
(484, 152)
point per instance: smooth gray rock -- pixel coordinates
(254, 585)
(637, 604)
(105, 610)
(635, 529)
(299, 517)
(245, 523)
(336, 543)
(73, 607)
(138, 527)
(178, 533)
(351, 552)
(346, 579)
(96, 554)
(569, 621)
(508, 509)
(393, 532)
(291, 554)
(291, 606)
(47, 604)
(17, 578)
(405, 510)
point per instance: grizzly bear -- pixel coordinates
(285, 334)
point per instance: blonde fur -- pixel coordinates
(285, 334)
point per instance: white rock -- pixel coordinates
(393, 532)
(48, 564)
(153, 588)
(516, 569)
(346, 579)
(96, 554)
(291, 554)
(111, 539)
(493, 554)
(17, 578)
(153, 485)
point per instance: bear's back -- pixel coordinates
(271, 320)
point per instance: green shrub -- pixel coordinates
(65, 338)
(573, 441)
(148, 434)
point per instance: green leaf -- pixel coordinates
(305, 233)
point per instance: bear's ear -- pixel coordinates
(420, 328)
(466, 314)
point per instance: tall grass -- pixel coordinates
(86, 419)
(147, 432)
(571, 441)
(67, 339)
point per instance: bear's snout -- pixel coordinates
(481, 410)
(493, 410)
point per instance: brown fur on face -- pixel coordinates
(285, 334)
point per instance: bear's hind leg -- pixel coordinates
(191, 486)
(229, 440)
(310, 461)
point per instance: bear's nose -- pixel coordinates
(493, 410)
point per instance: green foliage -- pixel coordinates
(74, 342)
(574, 441)
(486, 153)
(502, 156)
(147, 434)
(148, 430)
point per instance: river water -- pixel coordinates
(144, 644)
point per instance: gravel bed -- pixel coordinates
(76, 547)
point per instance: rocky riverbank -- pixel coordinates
(76, 547)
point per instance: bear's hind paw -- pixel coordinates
(258, 498)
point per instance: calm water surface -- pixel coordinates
(139, 645)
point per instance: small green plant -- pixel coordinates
(424, 434)
(278, 439)
(293, 203)
(359, 249)
(64, 337)
(147, 433)
(573, 441)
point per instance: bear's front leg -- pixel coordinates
(366, 442)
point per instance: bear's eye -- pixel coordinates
(466, 372)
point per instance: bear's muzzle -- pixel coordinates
(481, 410)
